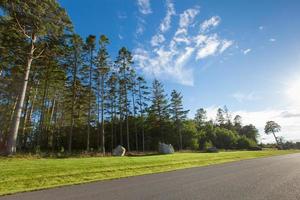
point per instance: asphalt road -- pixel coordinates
(265, 178)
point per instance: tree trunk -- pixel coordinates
(135, 127)
(180, 137)
(98, 116)
(90, 94)
(11, 147)
(29, 116)
(112, 126)
(50, 120)
(42, 118)
(73, 103)
(102, 116)
(22, 134)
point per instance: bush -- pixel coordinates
(245, 143)
(225, 139)
(207, 145)
(194, 144)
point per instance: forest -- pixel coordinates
(60, 92)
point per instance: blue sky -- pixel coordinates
(240, 53)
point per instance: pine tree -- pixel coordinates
(103, 70)
(133, 90)
(34, 20)
(159, 108)
(142, 100)
(220, 119)
(112, 99)
(124, 62)
(178, 114)
(75, 61)
(90, 48)
(200, 118)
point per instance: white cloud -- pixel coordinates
(157, 39)
(212, 22)
(210, 47)
(261, 28)
(170, 59)
(144, 6)
(140, 26)
(242, 97)
(165, 24)
(246, 51)
(187, 17)
(272, 40)
(225, 45)
(290, 125)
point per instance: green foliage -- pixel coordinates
(225, 139)
(245, 143)
(78, 98)
(208, 144)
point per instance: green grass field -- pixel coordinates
(21, 174)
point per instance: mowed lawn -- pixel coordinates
(20, 174)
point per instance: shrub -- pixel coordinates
(194, 144)
(225, 139)
(207, 145)
(245, 143)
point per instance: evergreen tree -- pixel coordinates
(75, 61)
(103, 70)
(220, 119)
(90, 48)
(124, 62)
(200, 118)
(142, 100)
(35, 20)
(178, 114)
(112, 101)
(159, 109)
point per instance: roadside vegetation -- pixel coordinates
(30, 173)
(61, 93)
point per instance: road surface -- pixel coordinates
(274, 178)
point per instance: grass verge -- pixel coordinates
(26, 174)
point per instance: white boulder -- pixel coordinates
(119, 151)
(165, 148)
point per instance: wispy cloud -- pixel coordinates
(287, 114)
(272, 40)
(188, 16)
(159, 38)
(170, 58)
(210, 23)
(211, 45)
(140, 26)
(165, 24)
(120, 37)
(261, 28)
(144, 6)
(246, 51)
(122, 15)
(242, 97)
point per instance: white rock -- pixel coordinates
(119, 151)
(165, 148)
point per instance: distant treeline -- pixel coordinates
(60, 92)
